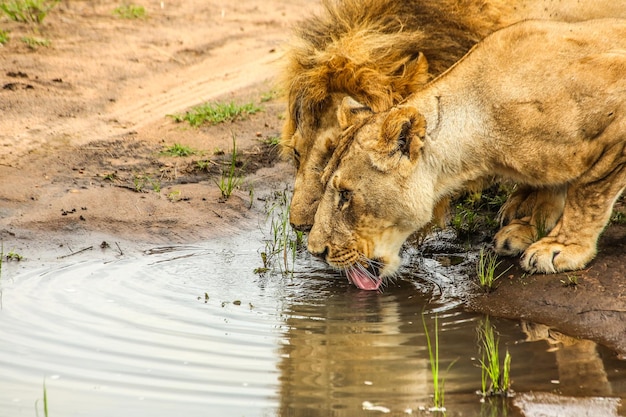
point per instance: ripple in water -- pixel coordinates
(192, 331)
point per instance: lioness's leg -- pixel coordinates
(572, 243)
(539, 211)
(518, 205)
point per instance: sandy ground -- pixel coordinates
(85, 119)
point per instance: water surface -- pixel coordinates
(193, 331)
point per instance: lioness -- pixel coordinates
(370, 50)
(541, 103)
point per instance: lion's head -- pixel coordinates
(358, 227)
(370, 50)
(311, 130)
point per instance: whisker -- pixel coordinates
(368, 273)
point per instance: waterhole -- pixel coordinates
(194, 331)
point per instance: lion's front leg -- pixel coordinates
(529, 214)
(573, 241)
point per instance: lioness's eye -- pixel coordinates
(344, 197)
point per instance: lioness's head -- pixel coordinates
(311, 127)
(371, 203)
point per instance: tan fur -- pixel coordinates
(370, 50)
(540, 103)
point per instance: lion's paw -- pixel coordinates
(514, 238)
(549, 256)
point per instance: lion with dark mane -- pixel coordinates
(540, 103)
(376, 51)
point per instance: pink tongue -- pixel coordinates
(362, 280)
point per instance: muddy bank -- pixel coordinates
(588, 304)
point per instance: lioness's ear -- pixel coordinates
(350, 111)
(403, 130)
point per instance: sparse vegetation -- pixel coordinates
(27, 11)
(4, 37)
(465, 220)
(174, 195)
(141, 181)
(13, 256)
(433, 356)
(45, 401)
(486, 269)
(34, 42)
(495, 379)
(179, 150)
(618, 218)
(110, 177)
(270, 95)
(272, 141)
(230, 179)
(476, 210)
(570, 281)
(283, 243)
(215, 113)
(130, 11)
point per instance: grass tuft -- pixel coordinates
(130, 11)
(230, 179)
(141, 181)
(486, 270)
(34, 42)
(179, 150)
(570, 281)
(4, 37)
(618, 217)
(283, 243)
(27, 11)
(215, 113)
(45, 401)
(13, 256)
(495, 379)
(433, 355)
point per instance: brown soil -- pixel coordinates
(589, 304)
(84, 121)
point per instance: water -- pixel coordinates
(193, 331)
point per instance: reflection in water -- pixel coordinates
(353, 349)
(582, 375)
(347, 352)
(192, 331)
(581, 370)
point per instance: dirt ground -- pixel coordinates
(84, 121)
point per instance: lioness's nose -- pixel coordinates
(321, 253)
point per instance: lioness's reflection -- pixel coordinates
(351, 350)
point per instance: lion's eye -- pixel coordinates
(296, 159)
(344, 198)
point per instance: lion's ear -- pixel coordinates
(403, 130)
(414, 77)
(350, 111)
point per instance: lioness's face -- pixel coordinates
(369, 205)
